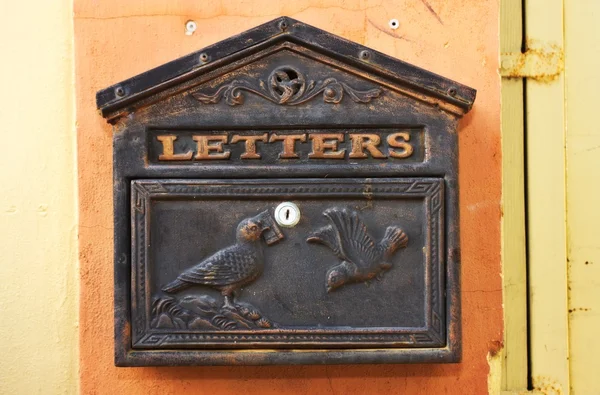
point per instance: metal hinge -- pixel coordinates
(543, 64)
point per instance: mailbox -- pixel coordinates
(286, 196)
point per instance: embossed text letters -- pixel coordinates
(323, 146)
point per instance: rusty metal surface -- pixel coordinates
(539, 62)
(365, 151)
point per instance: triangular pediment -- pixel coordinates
(212, 74)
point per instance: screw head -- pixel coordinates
(190, 27)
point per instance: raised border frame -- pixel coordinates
(170, 349)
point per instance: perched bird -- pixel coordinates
(232, 267)
(362, 258)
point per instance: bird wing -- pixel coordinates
(329, 237)
(225, 267)
(355, 242)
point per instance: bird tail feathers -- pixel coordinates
(394, 239)
(175, 286)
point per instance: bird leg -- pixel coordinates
(228, 298)
(229, 302)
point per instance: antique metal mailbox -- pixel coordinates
(286, 196)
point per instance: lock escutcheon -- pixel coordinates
(287, 214)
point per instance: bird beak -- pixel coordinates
(264, 226)
(262, 220)
(270, 231)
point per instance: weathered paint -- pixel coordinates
(583, 213)
(38, 254)
(545, 152)
(539, 62)
(514, 266)
(115, 40)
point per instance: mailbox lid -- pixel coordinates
(181, 224)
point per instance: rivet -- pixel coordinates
(452, 91)
(204, 57)
(119, 91)
(394, 24)
(364, 55)
(283, 25)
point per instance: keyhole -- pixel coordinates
(287, 214)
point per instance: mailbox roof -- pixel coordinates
(123, 96)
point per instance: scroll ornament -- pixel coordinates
(287, 86)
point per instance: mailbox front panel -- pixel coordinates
(292, 303)
(289, 198)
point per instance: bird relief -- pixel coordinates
(231, 268)
(361, 258)
(227, 270)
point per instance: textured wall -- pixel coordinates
(115, 40)
(38, 211)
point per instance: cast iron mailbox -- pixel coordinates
(286, 196)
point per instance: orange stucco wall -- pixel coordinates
(115, 40)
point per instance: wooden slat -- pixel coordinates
(583, 188)
(547, 263)
(514, 367)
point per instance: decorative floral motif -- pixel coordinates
(287, 86)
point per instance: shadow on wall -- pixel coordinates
(338, 372)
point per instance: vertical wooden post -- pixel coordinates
(582, 54)
(547, 254)
(514, 264)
